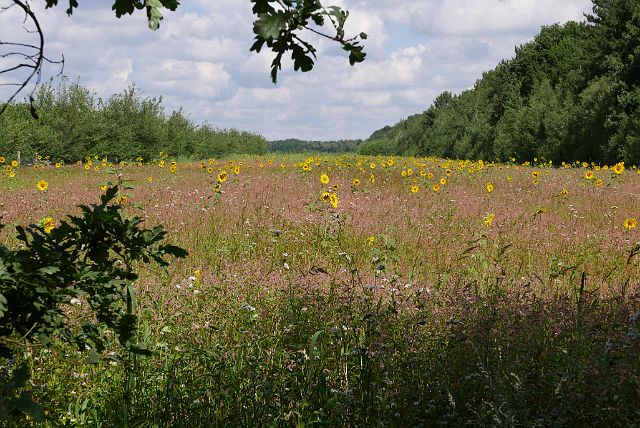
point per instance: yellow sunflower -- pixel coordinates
(489, 187)
(47, 224)
(630, 223)
(618, 168)
(489, 219)
(334, 200)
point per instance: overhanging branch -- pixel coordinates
(31, 55)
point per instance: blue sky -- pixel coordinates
(199, 59)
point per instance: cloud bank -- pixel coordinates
(199, 59)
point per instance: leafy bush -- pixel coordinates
(89, 258)
(375, 148)
(74, 123)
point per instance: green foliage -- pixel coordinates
(374, 147)
(89, 260)
(74, 122)
(89, 257)
(294, 145)
(278, 28)
(572, 93)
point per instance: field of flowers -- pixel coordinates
(357, 291)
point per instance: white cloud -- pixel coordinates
(481, 17)
(200, 59)
(399, 70)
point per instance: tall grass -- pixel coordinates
(394, 309)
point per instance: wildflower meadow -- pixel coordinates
(340, 290)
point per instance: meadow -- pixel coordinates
(356, 291)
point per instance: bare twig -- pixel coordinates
(33, 54)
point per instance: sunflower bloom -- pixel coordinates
(222, 176)
(333, 198)
(325, 197)
(489, 219)
(436, 188)
(42, 185)
(630, 223)
(618, 168)
(48, 225)
(489, 187)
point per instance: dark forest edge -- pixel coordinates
(294, 145)
(573, 93)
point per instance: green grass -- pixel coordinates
(296, 320)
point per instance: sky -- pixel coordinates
(199, 59)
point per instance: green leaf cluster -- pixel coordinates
(153, 8)
(279, 25)
(90, 258)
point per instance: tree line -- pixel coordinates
(294, 145)
(573, 93)
(73, 123)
